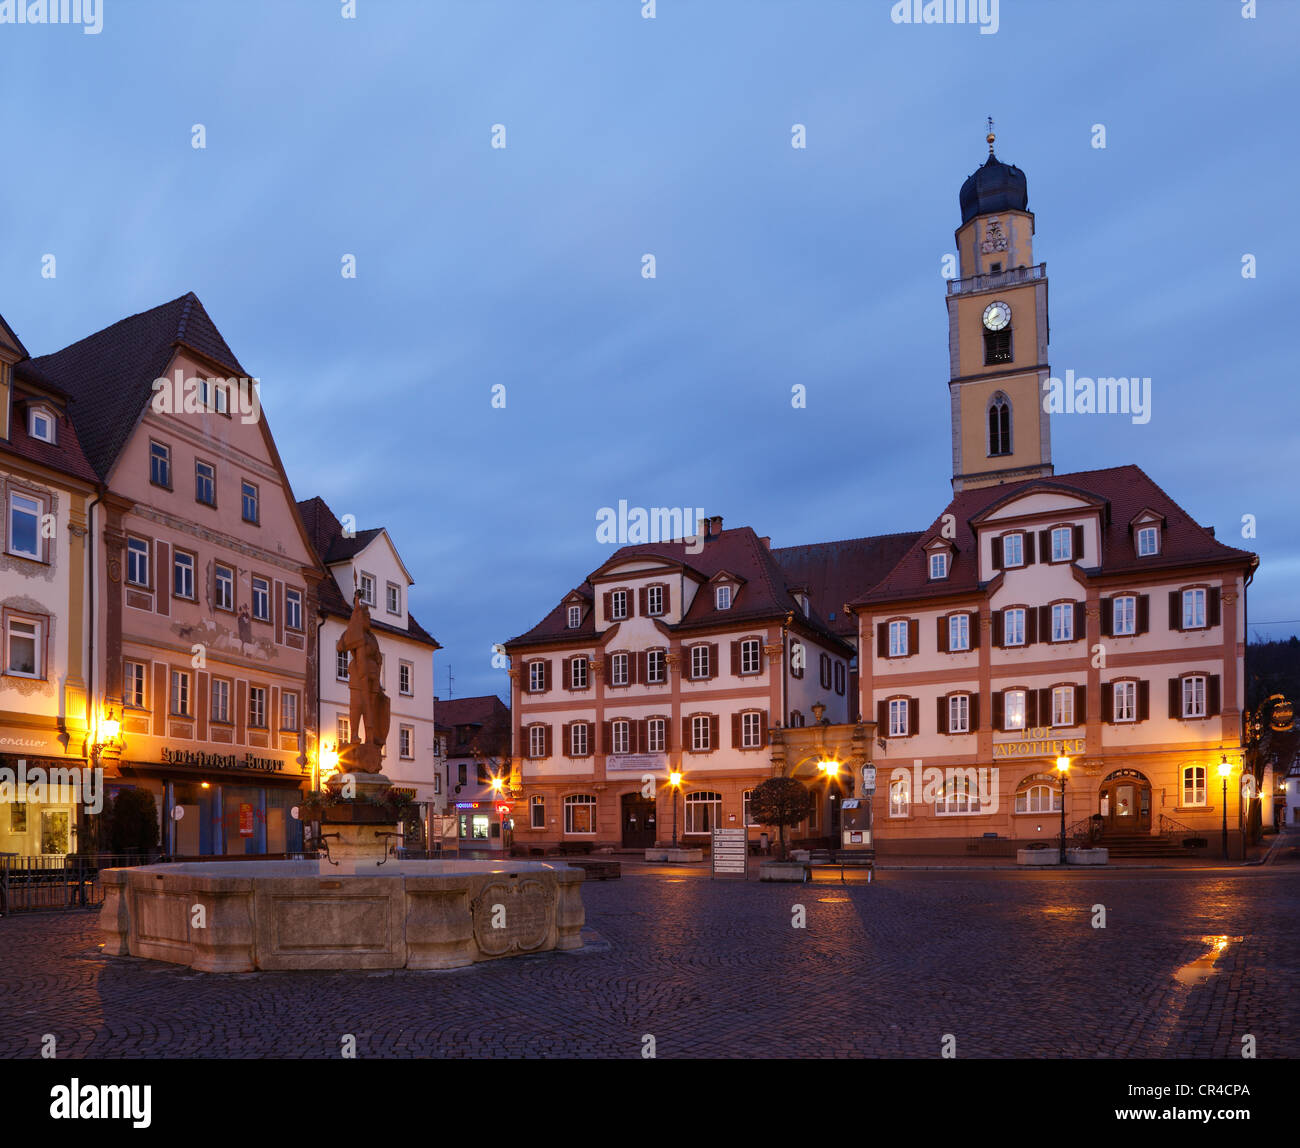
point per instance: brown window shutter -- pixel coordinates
(913, 716)
(686, 735)
(1213, 613)
(882, 719)
(643, 666)
(546, 674)
(1078, 544)
(974, 629)
(1175, 609)
(1175, 697)
(279, 612)
(1028, 546)
(1212, 696)
(566, 739)
(643, 597)
(762, 727)
(1031, 626)
(882, 639)
(1107, 702)
(1031, 708)
(1080, 621)
(525, 678)
(1045, 544)
(913, 636)
(608, 598)
(634, 675)
(1144, 700)
(735, 731)
(974, 712)
(997, 554)
(998, 629)
(1143, 613)
(636, 736)
(1081, 704)
(162, 553)
(735, 659)
(943, 635)
(713, 659)
(999, 711)
(713, 731)
(547, 740)
(1107, 607)
(941, 715)
(606, 736)
(667, 599)
(566, 674)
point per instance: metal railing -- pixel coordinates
(997, 279)
(1173, 828)
(1086, 831)
(57, 881)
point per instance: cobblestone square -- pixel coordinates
(1008, 963)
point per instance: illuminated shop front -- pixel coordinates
(38, 810)
(483, 824)
(215, 804)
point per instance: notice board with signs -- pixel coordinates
(729, 848)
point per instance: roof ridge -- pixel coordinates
(842, 541)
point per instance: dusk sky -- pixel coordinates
(775, 266)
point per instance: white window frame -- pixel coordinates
(289, 711)
(265, 596)
(620, 736)
(959, 713)
(221, 700)
(135, 557)
(1194, 691)
(223, 588)
(1063, 706)
(133, 684)
(536, 741)
(249, 495)
(1123, 615)
(700, 730)
(1062, 544)
(656, 735)
(1148, 541)
(1198, 792)
(343, 730)
(1030, 800)
(1019, 540)
(161, 455)
(368, 589)
(1194, 609)
(181, 701)
(36, 636)
(406, 678)
(37, 512)
(578, 669)
(575, 617)
(751, 733)
(1062, 621)
(341, 665)
(537, 812)
(1124, 701)
(1014, 615)
(393, 598)
(579, 739)
(292, 609)
(938, 566)
(617, 605)
(257, 707)
(536, 677)
(958, 632)
(44, 415)
(572, 803)
(960, 795)
(898, 639)
(618, 669)
(656, 667)
(654, 601)
(751, 653)
(706, 802)
(1020, 697)
(900, 797)
(205, 474)
(183, 575)
(699, 661)
(722, 597)
(406, 742)
(899, 717)
(746, 811)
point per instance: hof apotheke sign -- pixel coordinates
(1038, 742)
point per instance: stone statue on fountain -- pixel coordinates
(368, 705)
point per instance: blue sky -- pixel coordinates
(624, 136)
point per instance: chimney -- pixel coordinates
(715, 526)
(766, 540)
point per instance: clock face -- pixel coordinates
(997, 315)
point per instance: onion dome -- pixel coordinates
(995, 187)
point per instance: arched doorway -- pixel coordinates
(1124, 802)
(638, 821)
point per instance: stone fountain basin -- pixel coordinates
(238, 916)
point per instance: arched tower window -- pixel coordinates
(999, 425)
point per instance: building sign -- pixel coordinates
(635, 762)
(729, 847)
(869, 778)
(203, 760)
(1038, 742)
(245, 819)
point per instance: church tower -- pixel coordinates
(997, 334)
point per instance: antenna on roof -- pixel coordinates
(450, 679)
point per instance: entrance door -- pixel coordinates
(1125, 805)
(638, 821)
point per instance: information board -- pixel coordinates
(729, 848)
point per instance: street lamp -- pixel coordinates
(675, 780)
(1062, 768)
(1225, 768)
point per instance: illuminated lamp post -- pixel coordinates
(1062, 769)
(675, 780)
(1225, 770)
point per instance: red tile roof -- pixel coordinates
(64, 454)
(489, 719)
(111, 372)
(1125, 491)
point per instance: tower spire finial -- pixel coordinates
(990, 137)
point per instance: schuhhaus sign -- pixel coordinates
(1038, 742)
(223, 760)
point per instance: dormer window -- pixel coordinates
(1062, 544)
(938, 565)
(1013, 550)
(1148, 541)
(722, 597)
(40, 424)
(575, 617)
